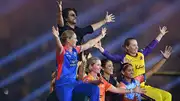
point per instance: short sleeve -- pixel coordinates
(86, 79)
(107, 84)
(87, 30)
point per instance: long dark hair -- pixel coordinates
(103, 64)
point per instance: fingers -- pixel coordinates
(161, 52)
(169, 49)
(60, 2)
(57, 29)
(106, 13)
(164, 27)
(166, 48)
(104, 30)
(53, 28)
(159, 28)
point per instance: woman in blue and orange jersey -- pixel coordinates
(129, 82)
(67, 59)
(136, 58)
(94, 77)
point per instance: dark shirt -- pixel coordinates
(80, 32)
(109, 95)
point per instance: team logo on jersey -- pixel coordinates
(74, 53)
(141, 57)
(127, 60)
(139, 66)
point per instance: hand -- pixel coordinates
(55, 32)
(89, 56)
(83, 57)
(167, 52)
(59, 2)
(103, 32)
(139, 90)
(109, 18)
(163, 30)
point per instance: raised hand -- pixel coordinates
(83, 57)
(55, 32)
(59, 2)
(109, 18)
(103, 32)
(163, 30)
(167, 52)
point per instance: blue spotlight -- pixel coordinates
(37, 92)
(31, 67)
(26, 49)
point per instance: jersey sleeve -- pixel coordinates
(113, 57)
(148, 49)
(87, 30)
(107, 84)
(59, 62)
(86, 79)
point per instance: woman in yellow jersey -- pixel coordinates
(136, 58)
(94, 77)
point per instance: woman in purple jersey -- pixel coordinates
(66, 56)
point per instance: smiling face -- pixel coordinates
(127, 71)
(73, 40)
(71, 18)
(96, 67)
(132, 47)
(108, 68)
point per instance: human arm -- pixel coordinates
(82, 67)
(154, 43)
(60, 20)
(92, 42)
(124, 90)
(59, 46)
(112, 57)
(108, 18)
(166, 54)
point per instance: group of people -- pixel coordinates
(89, 75)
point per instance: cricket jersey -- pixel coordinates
(102, 86)
(67, 66)
(137, 61)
